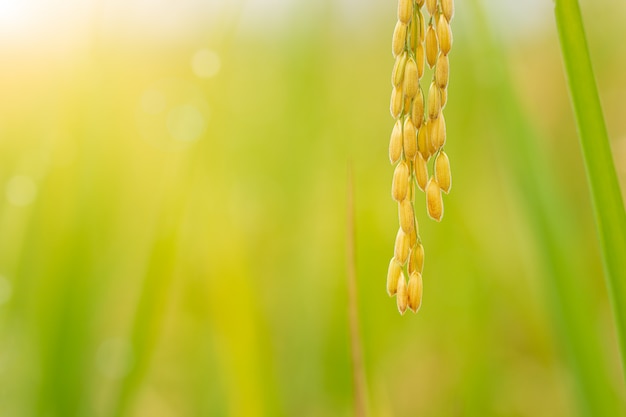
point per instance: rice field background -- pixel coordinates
(173, 214)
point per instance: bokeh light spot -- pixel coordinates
(21, 191)
(206, 63)
(185, 123)
(172, 114)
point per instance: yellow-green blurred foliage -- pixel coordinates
(173, 213)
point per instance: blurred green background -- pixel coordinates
(173, 181)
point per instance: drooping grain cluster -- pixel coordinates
(418, 136)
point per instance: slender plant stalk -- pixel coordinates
(554, 230)
(356, 350)
(605, 192)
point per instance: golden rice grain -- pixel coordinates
(441, 133)
(397, 75)
(402, 296)
(434, 101)
(432, 49)
(416, 259)
(431, 6)
(396, 102)
(442, 172)
(400, 184)
(420, 59)
(417, 111)
(423, 141)
(410, 139)
(442, 71)
(395, 143)
(414, 292)
(434, 201)
(433, 136)
(444, 35)
(393, 276)
(407, 216)
(438, 133)
(447, 7)
(399, 38)
(401, 248)
(405, 10)
(411, 79)
(414, 34)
